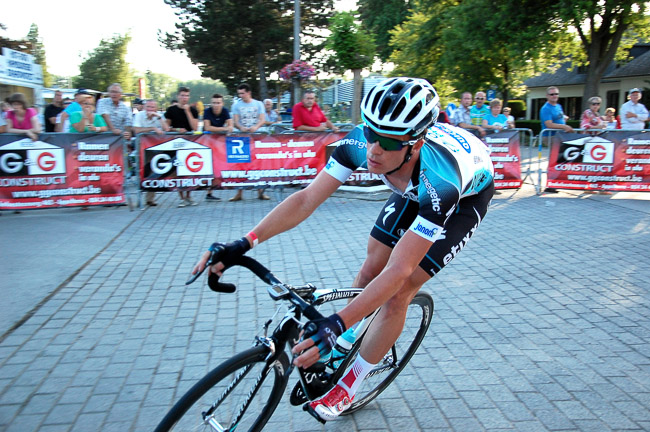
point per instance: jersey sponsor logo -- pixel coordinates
(389, 210)
(432, 192)
(353, 142)
(459, 247)
(457, 136)
(425, 228)
(428, 232)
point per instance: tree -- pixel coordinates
(380, 17)
(38, 51)
(355, 50)
(606, 30)
(246, 40)
(160, 87)
(203, 89)
(487, 56)
(105, 65)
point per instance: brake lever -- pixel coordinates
(199, 273)
(196, 276)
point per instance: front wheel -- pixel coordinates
(418, 318)
(240, 393)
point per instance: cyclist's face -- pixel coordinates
(381, 161)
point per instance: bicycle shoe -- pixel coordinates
(330, 406)
(317, 384)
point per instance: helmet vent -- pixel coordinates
(414, 112)
(398, 109)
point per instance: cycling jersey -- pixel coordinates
(453, 165)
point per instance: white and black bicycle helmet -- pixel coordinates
(401, 106)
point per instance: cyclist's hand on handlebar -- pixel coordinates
(318, 339)
(221, 255)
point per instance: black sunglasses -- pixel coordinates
(553, 94)
(389, 144)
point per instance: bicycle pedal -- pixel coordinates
(298, 396)
(310, 410)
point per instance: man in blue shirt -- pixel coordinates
(552, 117)
(551, 114)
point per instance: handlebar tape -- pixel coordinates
(251, 264)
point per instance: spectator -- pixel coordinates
(494, 120)
(57, 124)
(611, 120)
(462, 117)
(633, 113)
(150, 120)
(3, 124)
(52, 111)
(87, 120)
(271, 116)
(118, 116)
(5, 108)
(479, 110)
(216, 119)
(307, 115)
(249, 117)
(551, 114)
(138, 105)
(64, 124)
(591, 117)
(443, 117)
(22, 120)
(181, 117)
(511, 119)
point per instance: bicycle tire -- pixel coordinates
(418, 319)
(187, 413)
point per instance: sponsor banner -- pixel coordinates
(60, 170)
(506, 156)
(224, 161)
(609, 161)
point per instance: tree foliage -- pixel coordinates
(473, 44)
(38, 51)
(604, 30)
(354, 49)
(478, 44)
(380, 17)
(246, 40)
(160, 87)
(105, 65)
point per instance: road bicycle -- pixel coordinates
(243, 392)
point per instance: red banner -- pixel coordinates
(506, 157)
(222, 161)
(60, 170)
(611, 161)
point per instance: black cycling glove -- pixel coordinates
(323, 332)
(228, 252)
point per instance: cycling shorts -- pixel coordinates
(398, 214)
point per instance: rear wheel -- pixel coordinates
(242, 392)
(418, 318)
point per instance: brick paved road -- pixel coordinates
(542, 323)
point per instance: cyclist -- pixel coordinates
(442, 183)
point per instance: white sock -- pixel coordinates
(355, 375)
